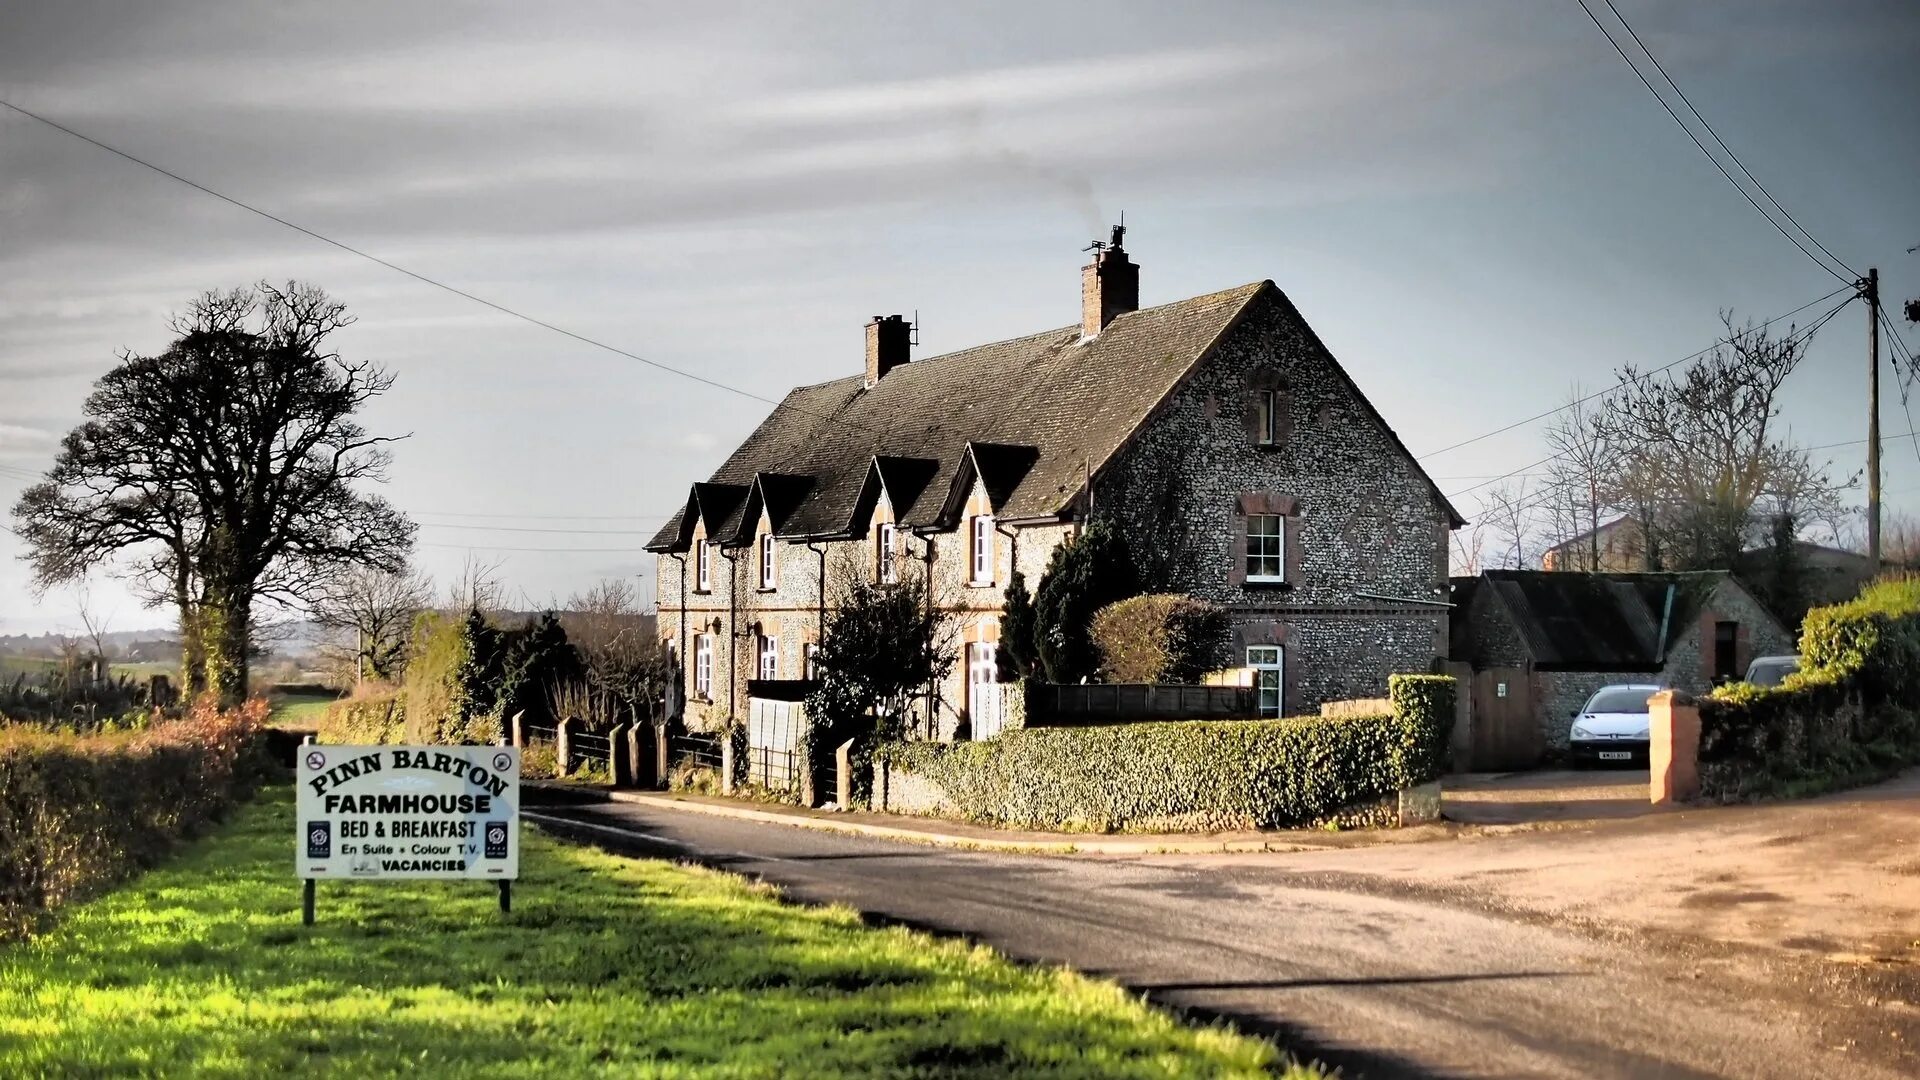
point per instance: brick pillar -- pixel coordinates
(639, 751)
(843, 773)
(563, 744)
(660, 755)
(1673, 751)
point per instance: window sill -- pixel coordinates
(767, 589)
(1267, 583)
(982, 585)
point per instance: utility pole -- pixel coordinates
(1870, 289)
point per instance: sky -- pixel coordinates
(1476, 205)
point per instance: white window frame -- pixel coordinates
(769, 563)
(767, 667)
(887, 569)
(1268, 423)
(1263, 659)
(980, 545)
(810, 660)
(702, 565)
(1279, 554)
(703, 666)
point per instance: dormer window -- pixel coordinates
(886, 566)
(982, 546)
(769, 563)
(702, 565)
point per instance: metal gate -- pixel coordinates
(773, 734)
(1506, 731)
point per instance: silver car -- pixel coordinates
(1613, 725)
(1770, 670)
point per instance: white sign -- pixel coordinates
(409, 812)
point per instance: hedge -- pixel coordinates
(1193, 775)
(1160, 638)
(79, 814)
(365, 720)
(1850, 715)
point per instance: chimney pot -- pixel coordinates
(1109, 287)
(889, 345)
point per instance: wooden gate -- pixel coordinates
(1506, 733)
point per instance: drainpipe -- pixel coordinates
(820, 606)
(733, 634)
(1666, 615)
(680, 654)
(933, 690)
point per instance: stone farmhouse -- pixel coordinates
(1238, 457)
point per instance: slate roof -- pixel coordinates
(1032, 416)
(1598, 622)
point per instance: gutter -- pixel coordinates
(1405, 599)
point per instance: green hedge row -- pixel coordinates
(79, 814)
(1193, 775)
(368, 720)
(1850, 715)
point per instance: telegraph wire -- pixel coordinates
(1735, 158)
(1657, 96)
(1618, 385)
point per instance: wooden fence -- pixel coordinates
(1057, 705)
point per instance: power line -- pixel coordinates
(1621, 383)
(551, 551)
(1735, 158)
(1801, 335)
(1644, 81)
(547, 517)
(528, 529)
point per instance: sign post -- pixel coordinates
(371, 812)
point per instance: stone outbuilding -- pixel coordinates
(1539, 643)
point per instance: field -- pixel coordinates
(299, 712)
(607, 966)
(11, 665)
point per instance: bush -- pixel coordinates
(78, 814)
(436, 696)
(1191, 775)
(1084, 575)
(1423, 706)
(1160, 638)
(369, 718)
(1847, 717)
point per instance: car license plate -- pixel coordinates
(1616, 755)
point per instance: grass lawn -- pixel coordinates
(299, 712)
(607, 966)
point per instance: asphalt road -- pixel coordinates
(1380, 985)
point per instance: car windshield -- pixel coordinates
(1618, 699)
(1771, 673)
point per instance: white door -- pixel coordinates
(1267, 664)
(983, 689)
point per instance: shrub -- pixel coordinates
(78, 814)
(1160, 638)
(375, 714)
(1423, 706)
(1084, 575)
(1196, 775)
(1848, 716)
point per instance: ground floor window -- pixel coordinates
(703, 666)
(1267, 664)
(769, 657)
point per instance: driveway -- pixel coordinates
(1545, 795)
(1370, 968)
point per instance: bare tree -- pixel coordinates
(1701, 460)
(625, 660)
(1580, 479)
(1513, 519)
(372, 611)
(476, 587)
(222, 473)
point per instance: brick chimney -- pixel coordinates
(1109, 285)
(889, 344)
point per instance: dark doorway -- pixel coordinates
(1726, 643)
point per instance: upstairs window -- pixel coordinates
(768, 562)
(769, 657)
(887, 568)
(703, 666)
(1266, 548)
(702, 566)
(1268, 408)
(982, 550)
